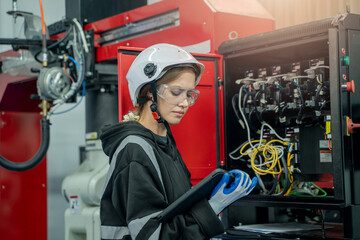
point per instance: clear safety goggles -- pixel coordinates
(176, 95)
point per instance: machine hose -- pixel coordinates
(23, 166)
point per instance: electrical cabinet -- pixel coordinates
(290, 114)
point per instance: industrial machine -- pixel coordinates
(280, 105)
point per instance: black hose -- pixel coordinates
(67, 34)
(258, 114)
(278, 96)
(39, 156)
(275, 183)
(287, 183)
(317, 96)
(251, 125)
(282, 110)
(326, 103)
(233, 103)
(302, 107)
(300, 115)
(36, 57)
(243, 104)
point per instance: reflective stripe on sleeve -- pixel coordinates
(156, 234)
(137, 224)
(113, 232)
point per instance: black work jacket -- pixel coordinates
(145, 176)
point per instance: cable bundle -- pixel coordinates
(272, 157)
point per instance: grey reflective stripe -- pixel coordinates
(148, 150)
(137, 224)
(113, 232)
(113, 164)
(156, 234)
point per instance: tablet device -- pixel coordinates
(201, 190)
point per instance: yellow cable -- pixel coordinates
(270, 155)
(273, 158)
(254, 141)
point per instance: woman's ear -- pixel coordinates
(149, 94)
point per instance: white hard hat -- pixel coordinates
(152, 63)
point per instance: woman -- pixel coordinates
(147, 172)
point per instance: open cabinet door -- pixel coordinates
(199, 136)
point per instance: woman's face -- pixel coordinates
(177, 88)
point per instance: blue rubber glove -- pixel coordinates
(222, 197)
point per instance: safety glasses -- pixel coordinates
(176, 95)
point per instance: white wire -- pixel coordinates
(243, 115)
(280, 151)
(261, 134)
(298, 77)
(259, 80)
(319, 66)
(78, 56)
(75, 36)
(52, 110)
(277, 135)
(75, 48)
(263, 164)
(273, 78)
(261, 183)
(236, 150)
(81, 34)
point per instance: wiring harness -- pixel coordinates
(273, 157)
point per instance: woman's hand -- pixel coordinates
(223, 195)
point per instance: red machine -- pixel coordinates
(200, 26)
(19, 141)
(203, 26)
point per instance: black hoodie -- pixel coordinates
(139, 187)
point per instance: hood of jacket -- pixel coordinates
(111, 136)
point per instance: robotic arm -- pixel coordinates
(60, 78)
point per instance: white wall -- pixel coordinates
(293, 12)
(67, 132)
(54, 10)
(67, 135)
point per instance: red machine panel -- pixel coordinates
(15, 91)
(201, 24)
(22, 194)
(199, 135)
